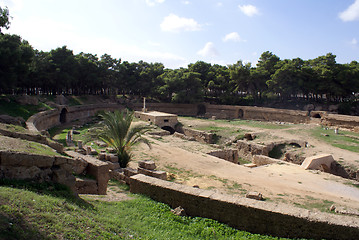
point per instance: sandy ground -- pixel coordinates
(189, 164)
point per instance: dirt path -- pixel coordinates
(288, 183)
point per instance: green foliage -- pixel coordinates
(47, 211)
(15, 109)
(118, 133)
(59, 71)
(4, 18)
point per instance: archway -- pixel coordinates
(201, 110)
(169, 129)
(240, 113)
(63, 115)
(317, 115)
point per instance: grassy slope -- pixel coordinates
(50, 212)
(16, 110)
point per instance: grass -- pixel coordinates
(311, 203)
(47, 211)
(20, 145)
(13, 128)
(181, 173)
(15, 109)
(342, 140)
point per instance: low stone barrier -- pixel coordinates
(40, 168)
(198, 135)
(230, 155)
(96, 168)
(350, 122)
(247, 214)
(261, 160)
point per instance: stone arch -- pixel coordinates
(201, 110)
(63, 115)
(169, 129)
(240, 113)
(317, 115)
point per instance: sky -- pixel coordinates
(179, 32)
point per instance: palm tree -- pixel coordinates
(118, 133)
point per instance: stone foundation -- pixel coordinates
(247, 214)
(39, 168)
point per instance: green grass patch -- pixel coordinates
(15, 109)
(51, 212)
(13, 128)
(344, 139)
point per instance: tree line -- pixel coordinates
(25, 70)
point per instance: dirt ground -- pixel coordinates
(188, 163)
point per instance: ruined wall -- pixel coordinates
(231, 112)
(179, 109)
(26, 166)
(344, 121)
(48, 119)
(230, 155)
(247, 214)
(199, 136)
(45, 120)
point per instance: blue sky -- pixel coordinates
(179, 32)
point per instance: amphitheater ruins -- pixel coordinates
(265, 174)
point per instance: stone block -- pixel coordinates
(112, 158)
(250, 165)
(86, 186)
(153, 173)
(260, 160)
(113, 166)
(130, 172)
(315, 162)
(254, 195)
(102, 156)
(149, 165)
(117, 175)
(97, 169)
(62, 176)
(26, 160)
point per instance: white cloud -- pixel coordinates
(233, 36)
(351, 13)
(219, 4)
(152, 3)
(249, 10)
(13, 5)
(186, 2)
(208, 50)
(354, 41)
(174, 23)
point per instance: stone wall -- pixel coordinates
(344, 121)
(48, 119)
(95, 168)
(45, 120)
(199, 136)
(26, 166)
(247, 214)
(230, 155)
